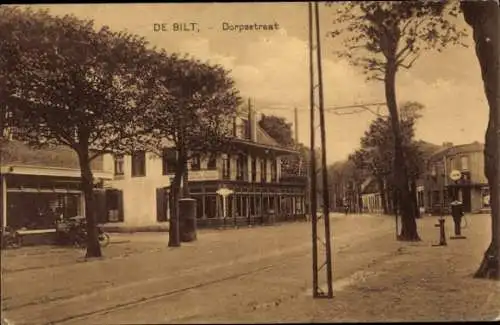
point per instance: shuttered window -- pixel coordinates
(108, 205)
(161, 205)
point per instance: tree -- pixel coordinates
(384, 37)
(376, 154)
(278, 129)
(67, 84)
(483, 17)
(194, 110)
(281, 131)
(345, 183)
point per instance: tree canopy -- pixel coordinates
(278, 128)
(193, 108)
(375, 33)
(97, 91)
(377, 150)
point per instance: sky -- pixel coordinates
(271, 67)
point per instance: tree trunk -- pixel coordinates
(87, 181)
(409, 225)
(483, 17)
(185, 181)
(413, 192)
(173, 230)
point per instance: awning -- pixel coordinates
(50, 171)
(42, 190)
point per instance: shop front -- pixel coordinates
(248, 204)
(33, 198)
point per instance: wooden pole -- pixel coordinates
(326, 195)
(312, 173)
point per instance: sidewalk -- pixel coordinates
(420, 283)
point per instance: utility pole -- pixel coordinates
(317, 292)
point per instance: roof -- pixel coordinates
(459, 149)
(370, 186)
(264, 138)
(14, 152)
(367, 182)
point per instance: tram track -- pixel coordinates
(159, 296)
(288, 257)
(128, 295)
(284, 271)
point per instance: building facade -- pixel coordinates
(38, 186)
(471, 188)
(252, 172)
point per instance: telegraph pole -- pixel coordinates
(317, 292)
(312, 174)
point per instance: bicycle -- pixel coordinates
(11, 238)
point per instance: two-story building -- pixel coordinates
(471, 188)
(138, 196)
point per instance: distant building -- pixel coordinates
(471, 189)
(371, 196)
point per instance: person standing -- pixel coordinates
(346, 206)
(457, 214)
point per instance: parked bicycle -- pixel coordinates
(11, 238)
(73, 231)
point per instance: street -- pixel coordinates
(260, 274)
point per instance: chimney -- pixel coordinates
(252, 122)
(447, 144)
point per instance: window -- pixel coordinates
(226, 168)
(453, 164)
(464, 162)
(434, 170)
(138, 164)
(420, 198)
(161, 205)
(274, 171)
(119, 165)
(235, 128)
(485, 194)
(246, 126)
(195, 162)
(212, 162)
(436, 197)
(211, 206)
(241, 168)
(263, 170)
(254, 169)
(169, 160)
(114, 205)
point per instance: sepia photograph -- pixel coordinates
(286, 162)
